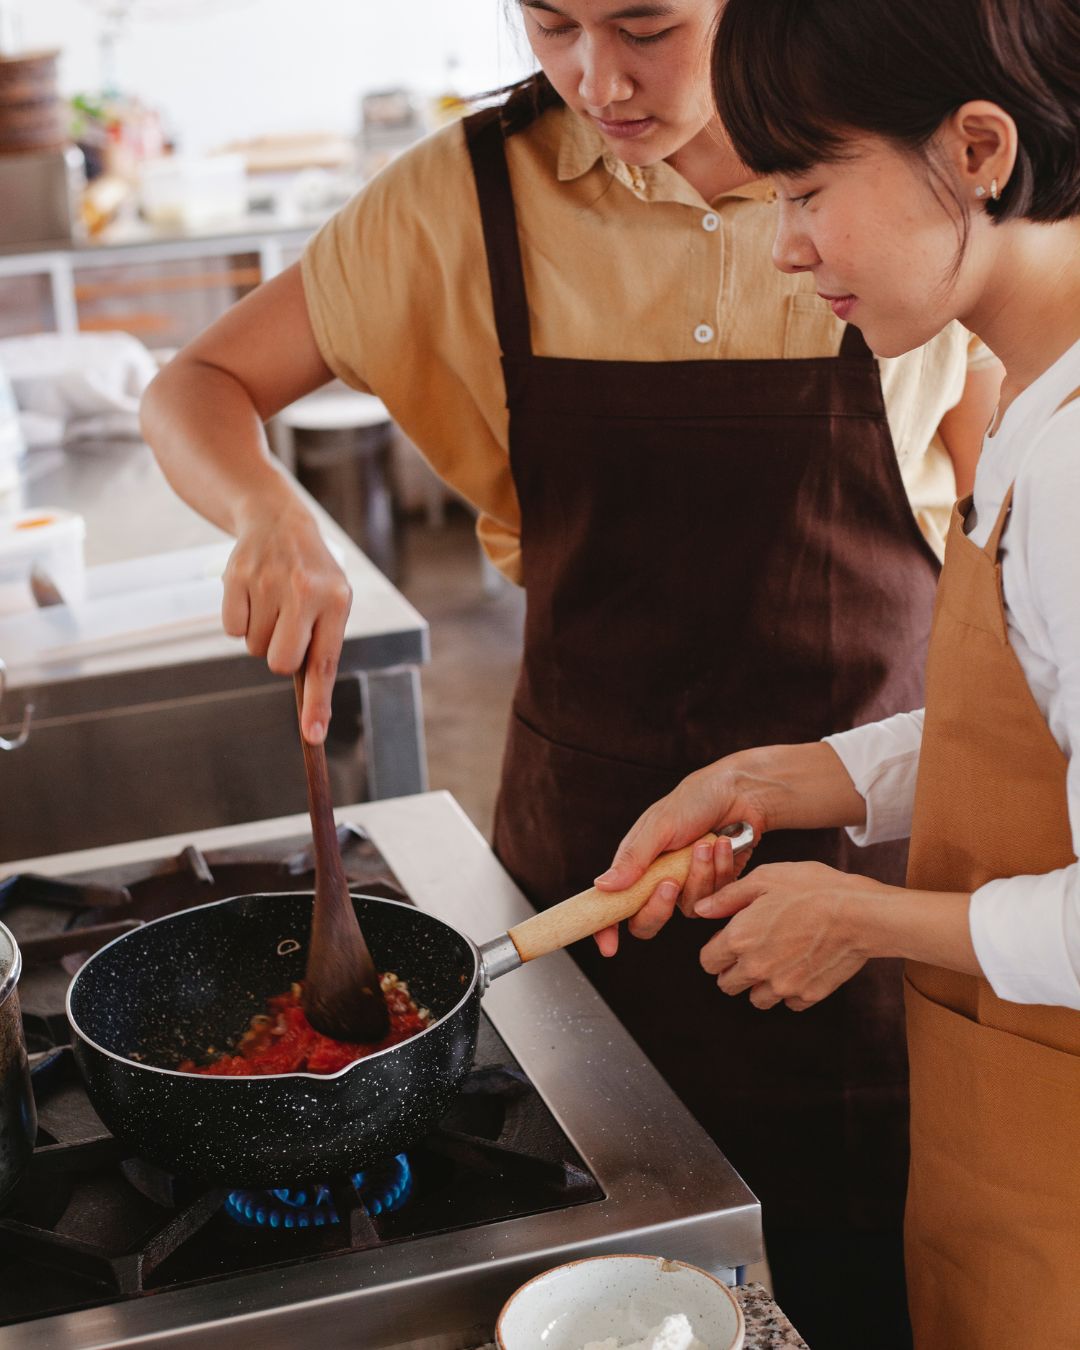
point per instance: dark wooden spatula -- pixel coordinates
(342, 997)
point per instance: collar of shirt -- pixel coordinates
(581, 146)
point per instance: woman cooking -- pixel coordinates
(912, 204)
(707, 485)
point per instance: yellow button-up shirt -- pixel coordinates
(621, 264)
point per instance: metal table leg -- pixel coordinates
(393, 731)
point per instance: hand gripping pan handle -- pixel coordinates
(591, 910)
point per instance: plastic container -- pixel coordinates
(50, 539)
(190, 191)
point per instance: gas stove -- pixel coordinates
(562, 1142)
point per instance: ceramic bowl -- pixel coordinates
(621, 1298)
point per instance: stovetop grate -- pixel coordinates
(90, 1224)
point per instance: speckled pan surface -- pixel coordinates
(177, 986)
(18, 1121)
(620, 1298)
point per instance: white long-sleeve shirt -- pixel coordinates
(1026, 929)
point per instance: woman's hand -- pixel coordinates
(288, 598)
(795, 935)
(775, 787)
(715, 796)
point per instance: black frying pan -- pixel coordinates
(170, 990)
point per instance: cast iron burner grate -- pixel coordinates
(92, 1224)
(381, 1189)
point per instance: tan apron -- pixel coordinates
(993, 1213)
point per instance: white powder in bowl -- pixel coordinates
(673, 1333)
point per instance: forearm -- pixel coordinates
(210, 442)
(204, 413)
(797, 787)
(928, 926)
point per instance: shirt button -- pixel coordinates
(703, 333)
(710, 221)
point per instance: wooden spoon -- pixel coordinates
(342, 996)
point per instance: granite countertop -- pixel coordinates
(766, 1326)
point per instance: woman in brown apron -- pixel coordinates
(688, 462)
(990, 919)
(786, 636)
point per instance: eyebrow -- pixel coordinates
(655, 11)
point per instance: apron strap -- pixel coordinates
(487, 150)
(854, 344)
(991, 548)
(1066, 401)
(993, 543)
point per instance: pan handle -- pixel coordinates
(588, 912)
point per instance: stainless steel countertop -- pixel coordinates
(132, 512)
(668, 1190)
(135, 237)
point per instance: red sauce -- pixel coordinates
(284, 1041)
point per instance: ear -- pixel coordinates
(980, 141)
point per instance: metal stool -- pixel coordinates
(343, 447)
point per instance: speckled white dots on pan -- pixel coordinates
(176, 987)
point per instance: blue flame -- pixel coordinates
(382, 1189)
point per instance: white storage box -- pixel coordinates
(49, 539)
(191, 191)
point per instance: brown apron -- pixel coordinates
(717, 555)
(993, 1221)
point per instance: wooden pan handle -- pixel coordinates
(586, 913)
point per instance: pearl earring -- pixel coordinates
(994, 189)
(980, 191)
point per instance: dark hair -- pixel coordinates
(523, 101)
(794, 79)
(520, 103)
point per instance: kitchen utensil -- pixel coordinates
(619, 1298)
(342, 995)
(18, 1119)
(191, 981)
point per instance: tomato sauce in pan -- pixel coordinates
(282, 1040)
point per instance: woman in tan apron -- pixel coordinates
(984, 780)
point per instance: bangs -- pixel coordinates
(772, 98)
(796, 81)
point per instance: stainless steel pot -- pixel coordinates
(18, 1118)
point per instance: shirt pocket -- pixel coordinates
(811, 329)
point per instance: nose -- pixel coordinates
(793, 250)
(602, 80)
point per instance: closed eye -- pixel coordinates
(561, 31)
(646, 39)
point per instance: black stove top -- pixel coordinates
(91, 1224)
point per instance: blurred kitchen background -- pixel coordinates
(158, 159)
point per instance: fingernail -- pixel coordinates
(609, 875)
(668, 891)
(704, 908)
(316, 734)
(703, 852)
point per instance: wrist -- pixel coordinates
(774, 780)
(868, 914)
(270, 502)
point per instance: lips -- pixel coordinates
(625, 128)
(841, 305)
